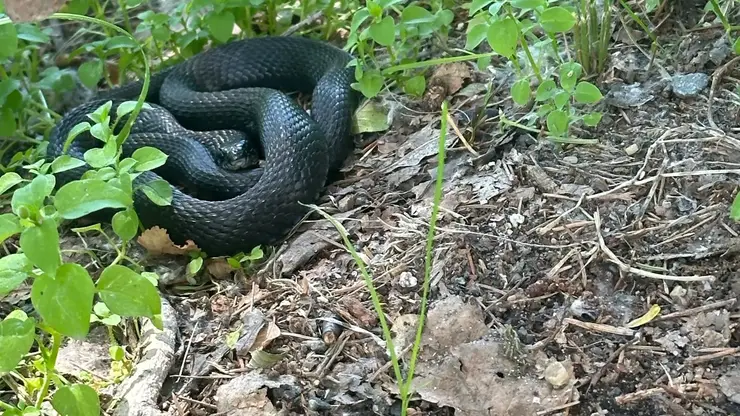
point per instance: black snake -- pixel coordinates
(225, 98)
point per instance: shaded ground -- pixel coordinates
(544, 253)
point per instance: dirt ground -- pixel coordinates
(544, 256)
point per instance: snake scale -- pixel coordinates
(225, 98)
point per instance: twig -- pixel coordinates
(644, 273)
(697, 310)
(716, 79)
(709, 357)
(303, 23)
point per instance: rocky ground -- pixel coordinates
(545, 255)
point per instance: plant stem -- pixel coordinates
(49, 365)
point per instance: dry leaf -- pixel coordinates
(32, 10)
(157, 242)
(219, 268)
(265, 336)
(450, 76)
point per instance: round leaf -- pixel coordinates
(79, 198)
(126, 224)
(587, 93)
(65, 302)
(9, 226)
(159, 191)
(384, 32)
(521, 91)
(220, 25)
(90, 72)
(148, 158)
(127, 293)
(557, 19)
(41, 246)
(76, 400)
(14, 269)
(17, 332)
(557, 122)
(8, 41)
(502, 36)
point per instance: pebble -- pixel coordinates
(557, 375)
(407, 280)
(689, 85)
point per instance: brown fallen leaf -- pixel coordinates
(450, 76)
(32, 10)
(219, 268)
(266, 335)
(157, 242)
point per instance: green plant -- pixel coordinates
(400, 31)
(63, 293)
(506, 28)
(404, 383)
(591, 35)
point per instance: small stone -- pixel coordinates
(678, 295)
(631, 149)
(689, 85)
(407, 280)
(557, 375)
(571, 159)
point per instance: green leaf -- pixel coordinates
(91, 72)
(528, 4)
(127, 293)
(102, 157)
(521, 91)
(17, 333)
(383, 32)
(31, 33)
(587, 93)
(477, 5)
(592, 119)
(78, 129)
(65, 301)
(161, 33)
(9, 180)
(476, 34)
(370, 84)
(560, 99)
(41, 245)
(415, 85)
(736, 46)
(557, 122)
(120, 42)
(416, 15)
(14, 269)
(126, 224)
(7, 122)
(221, 25)
(546, 90)
(159, 191)
(8, 41)
(735, 208)
(76, 400)
(502, 36)
(569, 74)
(79, 198)
(148, 158)
(557, 19)
(195, 265)
(8, 86)
(65, 163)
(125, 108)
(32, 195)
(9, 226)
(125, 165)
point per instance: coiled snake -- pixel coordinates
(224, 98)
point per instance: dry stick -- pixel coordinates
(697, 310)
(641, 171)
(303, 23)
(716, 78)
(644, 273)
(708, 357)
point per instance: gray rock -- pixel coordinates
(689, 85)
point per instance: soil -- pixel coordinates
(551, 250)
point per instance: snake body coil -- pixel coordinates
(230, 94)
